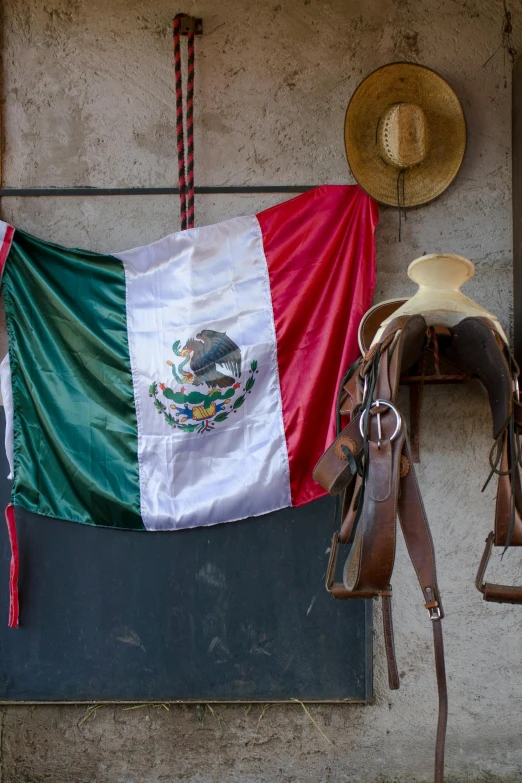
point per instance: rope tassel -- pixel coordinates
(13, 571)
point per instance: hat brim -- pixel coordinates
(408, 83)
(372, 320)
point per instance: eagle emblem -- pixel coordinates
(210, 384)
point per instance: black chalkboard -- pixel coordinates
(235, 612)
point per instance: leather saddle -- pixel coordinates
(370, 462)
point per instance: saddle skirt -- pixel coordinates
(370, 462)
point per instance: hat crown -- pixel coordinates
(403, 135)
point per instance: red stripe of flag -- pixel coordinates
(320, 253)
(5, 247)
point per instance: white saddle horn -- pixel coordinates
(439, 298)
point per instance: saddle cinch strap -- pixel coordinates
(370, 461)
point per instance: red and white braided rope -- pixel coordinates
(185, 171)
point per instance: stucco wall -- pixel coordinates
(88, 91)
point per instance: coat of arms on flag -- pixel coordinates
(191, 410)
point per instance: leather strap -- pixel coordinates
(389, 643)
(334, 472)
(440, 669)
(338, 590)
(417, 535)
(517, 412)
(369, 565)
(503, 503)
(419, 543)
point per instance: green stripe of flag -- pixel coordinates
(75, 429)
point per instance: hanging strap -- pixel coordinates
(13, 571)
(185, 170)
(389, 643)
(419, 544)
(391, 488)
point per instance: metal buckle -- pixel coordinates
(377, 404)
(435, 613)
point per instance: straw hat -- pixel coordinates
(405, 134)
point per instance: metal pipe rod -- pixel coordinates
(201, 190)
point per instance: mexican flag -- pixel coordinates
(188, 382)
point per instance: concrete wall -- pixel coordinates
(88, 91)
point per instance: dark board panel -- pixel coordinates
(231, 612)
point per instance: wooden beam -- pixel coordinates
(517, 207)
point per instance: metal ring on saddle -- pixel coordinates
(377, 404)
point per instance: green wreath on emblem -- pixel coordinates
(197, 411)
